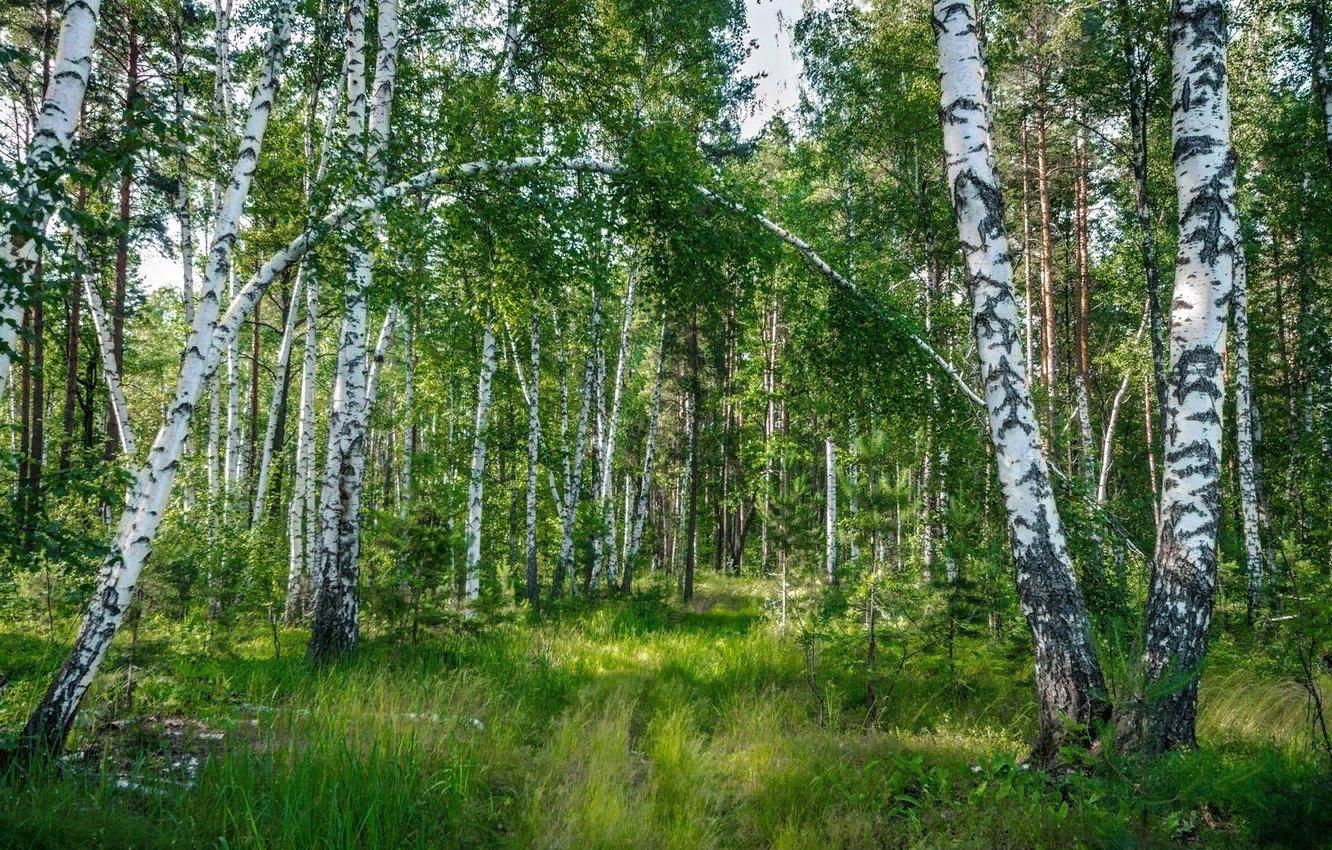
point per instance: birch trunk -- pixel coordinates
(1246, 440)
(533, 447)
(830, 512)
(1069, 684)
(336, 611)
(302, 524)
(1183, 587)
(43, 165)
(50, 722)
(1322, 85)
(607, 542)
(574, 484)
(476, 484)
(276, 402)
(182, 199)
(1111, 420)
(645, 483)
(110, 371)
(336, 608)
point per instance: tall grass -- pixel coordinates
(640, 724)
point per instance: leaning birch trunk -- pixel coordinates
(50, 722)
(1183, 588)
(1112, 419)
(645, 484)
(44, 163)
(334, 630)
(533, 448)
(1070, 688)
(1246, 438)
(275, 403)
(830, 512)
(97, 311)
(476, 484)
(382, 343)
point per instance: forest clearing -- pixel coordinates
(616, 423)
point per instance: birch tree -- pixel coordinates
(50, 722)
(45, 162)
(1183, 588)
(1069, 685)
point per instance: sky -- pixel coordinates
(769, 21)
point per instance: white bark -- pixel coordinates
(336, 607)
(382, 343)
(830, 512)
(303, 527)
(49, 724)
(109, 369)
(1179, 605)
(645, 484)
(336, 600)
(182, 199)
(607, 543)
(34, 195)
(1068, 678)
(276, 401)
(1108, 437)
(574, 484)
(533, 447)
(409, 414)
(1246, 438)
(476, 484)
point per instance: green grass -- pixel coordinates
(635, 723)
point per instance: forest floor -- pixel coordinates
(628, 723)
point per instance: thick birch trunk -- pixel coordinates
(48, 726)
(44, 163)
(476, 484)
(1069, 684)
(336, 607)
(1183, 588)
(334, 630)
